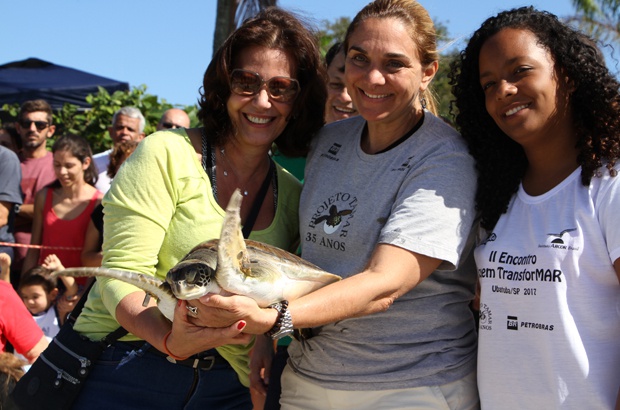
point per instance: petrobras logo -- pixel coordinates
(332, 152)
(513, 323)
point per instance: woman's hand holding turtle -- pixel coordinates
(218, 311)
(188, 338)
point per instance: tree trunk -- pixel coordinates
(224, 21)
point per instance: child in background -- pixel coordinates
(39, 292)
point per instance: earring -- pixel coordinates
(423, 102)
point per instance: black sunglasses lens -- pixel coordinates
(41, 125)
(168, 125)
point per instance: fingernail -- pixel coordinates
(179, 302)
(241, 325)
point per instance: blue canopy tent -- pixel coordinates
(33, 78)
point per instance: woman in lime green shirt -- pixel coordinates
(264, 86)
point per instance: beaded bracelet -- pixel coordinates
(168, 352)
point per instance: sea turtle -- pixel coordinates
(229, 265)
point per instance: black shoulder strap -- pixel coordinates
(107, 339)
(80, 305)
(258, 201)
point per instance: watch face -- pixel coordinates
(17, 208)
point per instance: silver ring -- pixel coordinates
(192, 309)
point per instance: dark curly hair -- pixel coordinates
(272, 28)
(594, 104)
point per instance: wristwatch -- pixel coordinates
(284, 324)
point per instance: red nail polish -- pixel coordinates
(241, 325)
(179, 302)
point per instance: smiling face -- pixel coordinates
(339, 104)
(522, 92)
(257, 119)
(383, 72)
(69, 170)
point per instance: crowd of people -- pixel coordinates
(345, 161)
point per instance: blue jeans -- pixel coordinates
(126, 377)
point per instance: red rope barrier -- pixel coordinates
(21, 245)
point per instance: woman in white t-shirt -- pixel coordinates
(541, 115)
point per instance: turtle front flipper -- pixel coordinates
(232, 255)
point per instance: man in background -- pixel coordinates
(127, 125)
(34, 126)
(173, 118)
(10, 198)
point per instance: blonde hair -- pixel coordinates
(419, 25)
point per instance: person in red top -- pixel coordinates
(35, 127)
(62, 211)
(55, 231)
(17, 325)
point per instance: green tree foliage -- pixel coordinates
(441, 88)
(598, 18)
(440, 85)
(332, 32)
(93, 123)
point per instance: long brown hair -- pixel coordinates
(272, 28)
(79, 148)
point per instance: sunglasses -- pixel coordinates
(41, 125)
(246, 83)
(169, 125)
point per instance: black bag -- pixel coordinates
(55, 379)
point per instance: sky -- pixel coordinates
(167, 45)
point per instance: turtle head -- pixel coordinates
(191, 279)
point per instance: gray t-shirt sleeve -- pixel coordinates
(10, 177)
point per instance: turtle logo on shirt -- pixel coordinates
(491, 238)
(485, 318)
(333, 219)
